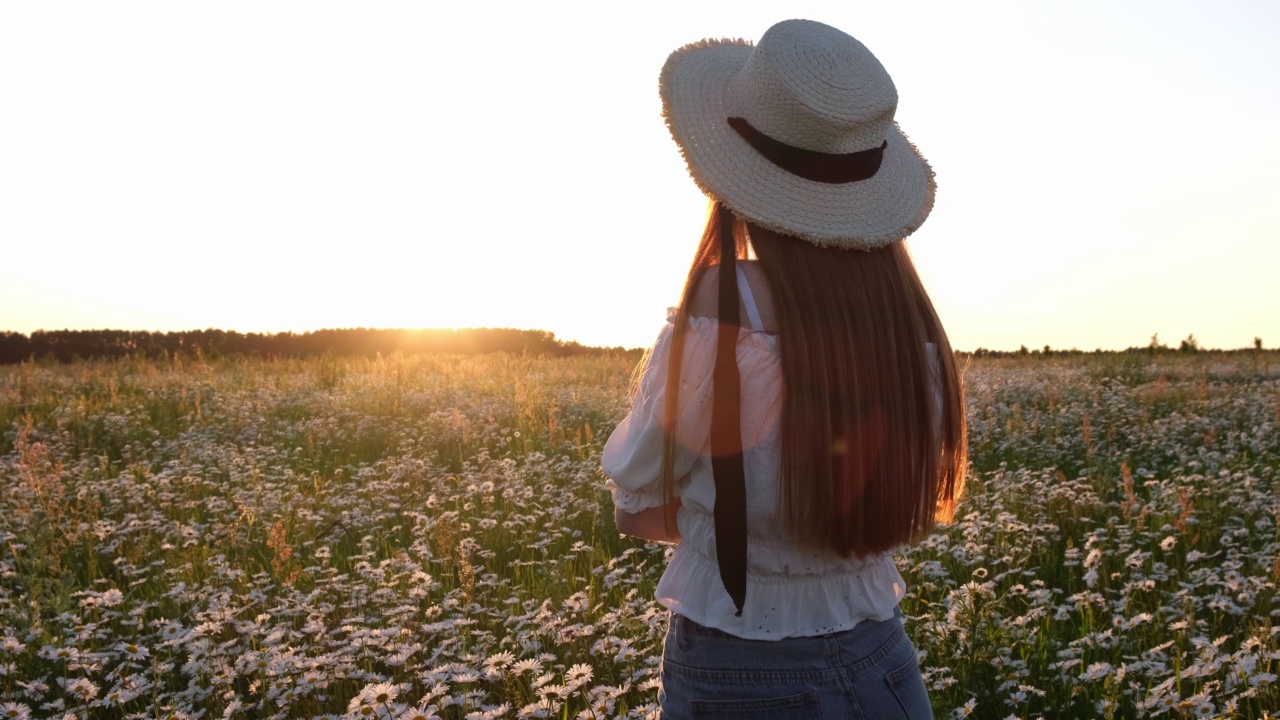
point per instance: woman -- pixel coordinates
(800, 415)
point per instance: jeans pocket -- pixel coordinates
(907, 685)
(803, 705)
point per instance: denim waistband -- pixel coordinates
(696, 628)
(862, 645)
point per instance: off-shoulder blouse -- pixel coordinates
(792, 590)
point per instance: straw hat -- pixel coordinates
(796, 134)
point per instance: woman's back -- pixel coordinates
(793, 588)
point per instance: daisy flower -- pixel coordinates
(131, 651)
(15, 711)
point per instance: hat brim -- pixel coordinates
(865, 214)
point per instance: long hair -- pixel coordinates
(872, 424)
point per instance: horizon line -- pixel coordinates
(1021, 349)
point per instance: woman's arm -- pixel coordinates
(650, 524)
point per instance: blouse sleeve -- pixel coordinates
(632, 456)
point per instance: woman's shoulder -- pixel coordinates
(705, 299)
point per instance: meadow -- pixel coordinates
(429, 537)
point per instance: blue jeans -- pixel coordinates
(869, 671)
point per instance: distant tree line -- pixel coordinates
(69, 345)
(1188, 346)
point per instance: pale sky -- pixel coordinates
(1106, 170)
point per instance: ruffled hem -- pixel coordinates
(633, 501)
(805, 605)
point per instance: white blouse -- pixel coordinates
(791, 590)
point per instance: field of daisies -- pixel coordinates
(429, 537)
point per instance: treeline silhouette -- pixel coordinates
(1189, 345)
(70, 345)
